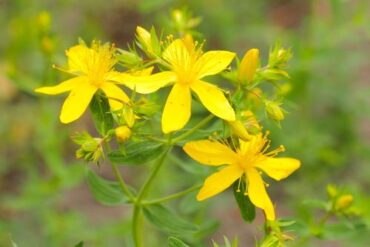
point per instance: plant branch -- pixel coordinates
(172, 196)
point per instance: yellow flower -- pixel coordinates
(93, 70)
(188, 67)
(249, 160)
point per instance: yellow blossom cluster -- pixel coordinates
(185, 67)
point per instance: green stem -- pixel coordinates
(192, 130)
(136, 218)
(122, 182)
(173, 196)
(136, 226)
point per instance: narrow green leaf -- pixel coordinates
(102, 117)
(137, 153)
(80, 244)
(105, 191)
(175, 242)
(168, 222)
(247, 209)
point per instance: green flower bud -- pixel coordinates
(274, 111)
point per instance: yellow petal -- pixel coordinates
(210, 153)
(113, 92)
(79, 58)
(144, 72)
(214, 100)
(212, 62)
(279, 168)
(248, 65)
(177, 110)
(178, 55)
(145, 84)
(219, 181)
(258, 195)
(77, 102)
(254, 145)
(62, 87)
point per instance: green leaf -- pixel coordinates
(137, 153)
(247, 209)
(175, 242)
(102, 117)
(105, 191)
(80, 244)
(168, 222)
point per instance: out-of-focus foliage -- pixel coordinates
(43, 190)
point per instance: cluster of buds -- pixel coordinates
(126, 120)
(91, 149)
(341, 203)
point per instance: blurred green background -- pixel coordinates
(44, 199)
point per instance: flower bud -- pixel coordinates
(274, 111)
(123, 133)
(248, 65)
(145, 39)
(178, 16)
(43, 21)
(128, 116)
(239, 130)
(343, 202)
(331, 190)
(188, 42)
(47, 44)
(251, 122)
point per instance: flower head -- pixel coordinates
(188, 66)
(246, 162)
(93, 70)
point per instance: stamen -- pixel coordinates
(239, 183)
(273, 153)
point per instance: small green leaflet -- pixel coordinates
(102, 117)
(247, 209)
(167, 221)
(105, 191)
(175, 242)
(137, 153)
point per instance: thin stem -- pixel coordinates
(136, 226)
(192, 130)
(136, 218)
(122, 182)
(173, 196)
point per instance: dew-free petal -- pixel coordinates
(146, 84)
(214, 100)
(177, 110)
(258, 195)
(213, 62)
(210, 152)
(114, 94)
(77, 102)
(278, 168)
(62, 87)
(219, 181)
